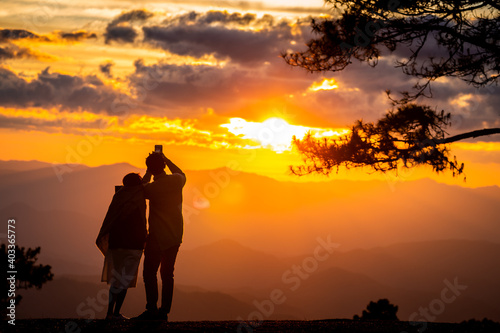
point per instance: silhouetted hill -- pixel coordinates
(226, 265)
(67, 238)
(82, 189)
(411, 274)
(17, 166)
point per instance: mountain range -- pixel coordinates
(250, 240)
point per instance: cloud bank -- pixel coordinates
(225, 61)
(67, 92)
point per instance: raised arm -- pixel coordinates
(171, 166)
(147, 177)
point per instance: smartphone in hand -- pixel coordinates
(158, 149)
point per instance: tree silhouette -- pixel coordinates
(465, 43)
(413, 134)
(28, 274)
(381, 310)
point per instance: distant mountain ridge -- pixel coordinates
(244, 232)
(340, 287)
(257, 211)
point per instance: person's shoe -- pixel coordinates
(109, 316)
(148, 315)
(163, 315)
(119, 316)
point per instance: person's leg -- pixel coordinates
(167, 277)
(120, 297)
(152, 259)
(112, 301)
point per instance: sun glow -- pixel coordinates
(326, 84)
(275, 133)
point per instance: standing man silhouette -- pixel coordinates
(165, 232)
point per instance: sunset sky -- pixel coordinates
(102, 82)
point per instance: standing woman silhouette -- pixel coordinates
(121, 240)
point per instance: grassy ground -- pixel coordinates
(336, 326)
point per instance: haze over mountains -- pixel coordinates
(247, 236)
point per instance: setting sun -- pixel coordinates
(326, 84)
(274, 133)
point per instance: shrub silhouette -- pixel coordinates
(28, 274)
(381, 310)
(480, 326)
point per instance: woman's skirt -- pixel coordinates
(121, 267)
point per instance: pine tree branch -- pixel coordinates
(469, 135)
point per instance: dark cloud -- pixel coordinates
(105, 68)
(471, 108)
(177, 87)
(238, 45)
(67, 92)
(211, 17)
(14, 34)
(133, 15)
(77, 35)
(222, 17)
(361, 95)
(8, 50)
(239, 38)
(120, 29)
(7, 35)
(50, 125)
(183, 90)
(122, 34)
(11, 51)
